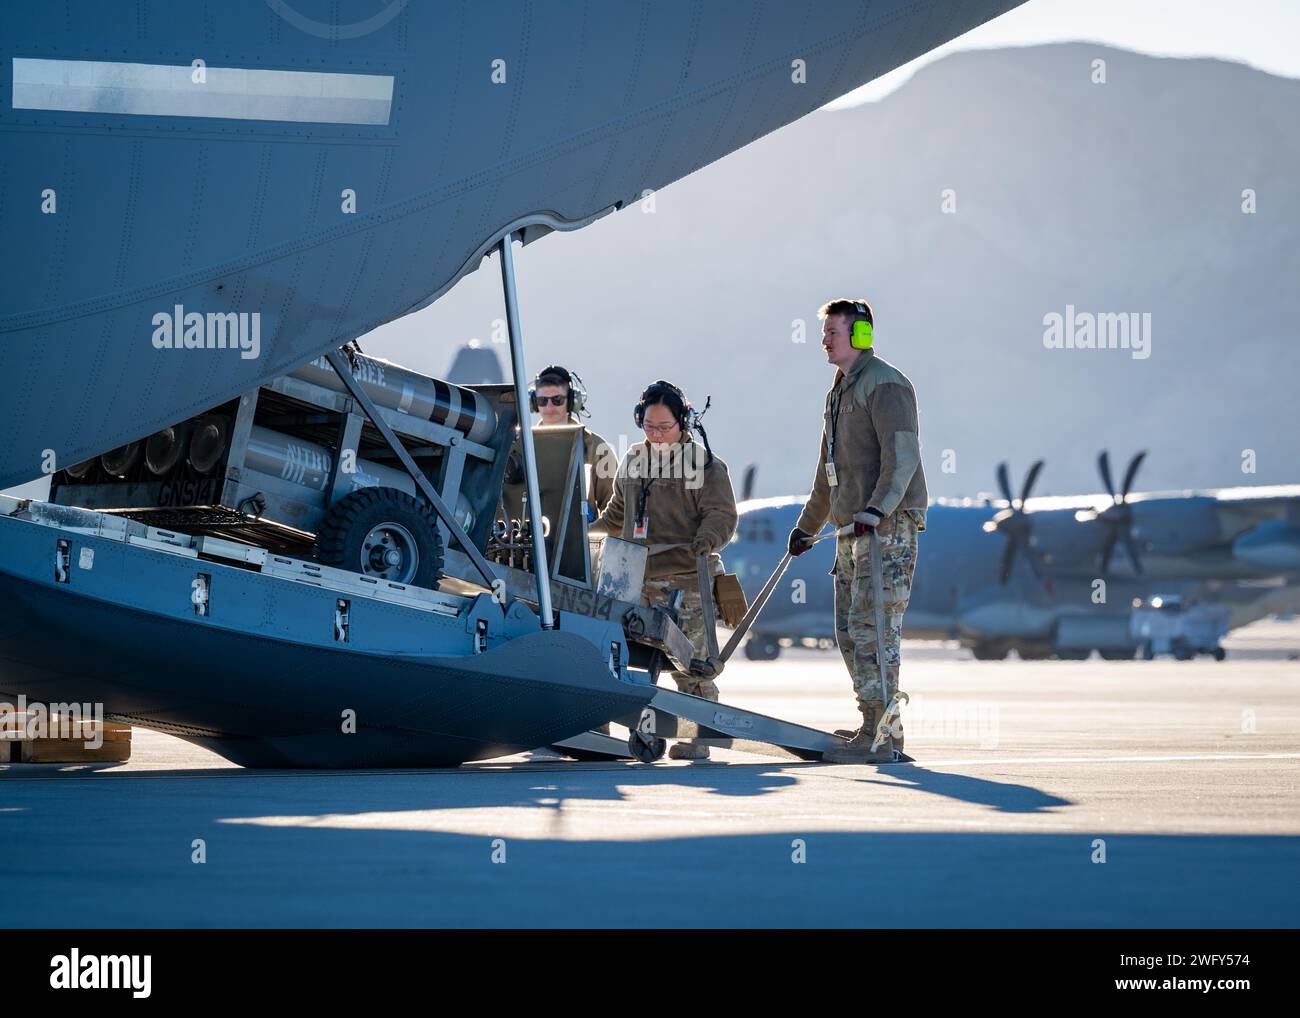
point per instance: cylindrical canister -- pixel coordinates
(397, 388)
(308, 464)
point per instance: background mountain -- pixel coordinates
(1115, 197)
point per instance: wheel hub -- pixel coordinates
(389, 551)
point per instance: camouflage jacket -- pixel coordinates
(600, 456)
(681, 499)
(872, 433)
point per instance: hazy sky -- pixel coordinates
(1262, 33)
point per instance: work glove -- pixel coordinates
(701, 545)
(800, 541)
(866, 520)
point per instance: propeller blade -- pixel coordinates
(1130, 546)
(1108, 549)
(747, 485)
(1008, 560)
(1030, 478)
(1103, 464)
(1131, 473)
(1004, 482)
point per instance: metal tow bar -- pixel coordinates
(679, 715)
(766, 593)
(671, 714)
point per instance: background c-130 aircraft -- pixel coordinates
(1021, 573)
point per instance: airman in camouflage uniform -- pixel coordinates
(855, 610)
(673, 493)
(869, 477)
(690, 616)
(558, 402)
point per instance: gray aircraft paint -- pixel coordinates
(499, 112)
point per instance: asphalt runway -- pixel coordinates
(1045, 794)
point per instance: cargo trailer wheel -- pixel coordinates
(760, 647)
(646, 748)
(385, 533)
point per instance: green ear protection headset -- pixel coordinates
(862, 330)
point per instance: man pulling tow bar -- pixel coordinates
(870, 484)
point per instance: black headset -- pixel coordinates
(675, 400)
(556, 375)
(670, 396)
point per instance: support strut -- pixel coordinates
(540, 565)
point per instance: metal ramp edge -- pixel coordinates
(682, 716)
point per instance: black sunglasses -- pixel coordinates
(551, 400)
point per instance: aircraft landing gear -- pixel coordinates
(642, 742)
(762, 648)
(989, 650)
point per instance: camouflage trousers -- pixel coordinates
(855, 608)
(690, 614)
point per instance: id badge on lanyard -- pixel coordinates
(641, 522)
(832, 419)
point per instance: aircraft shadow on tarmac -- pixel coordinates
(600, 781)
(1003, 796)
(417, 849)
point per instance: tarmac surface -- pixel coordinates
(1045, 794)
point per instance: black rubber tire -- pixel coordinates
(762, 648)
(646, 748)
(344, 528)
(990, 651)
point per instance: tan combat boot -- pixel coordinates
(858, 750)
(853, 733)
(690, 749)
